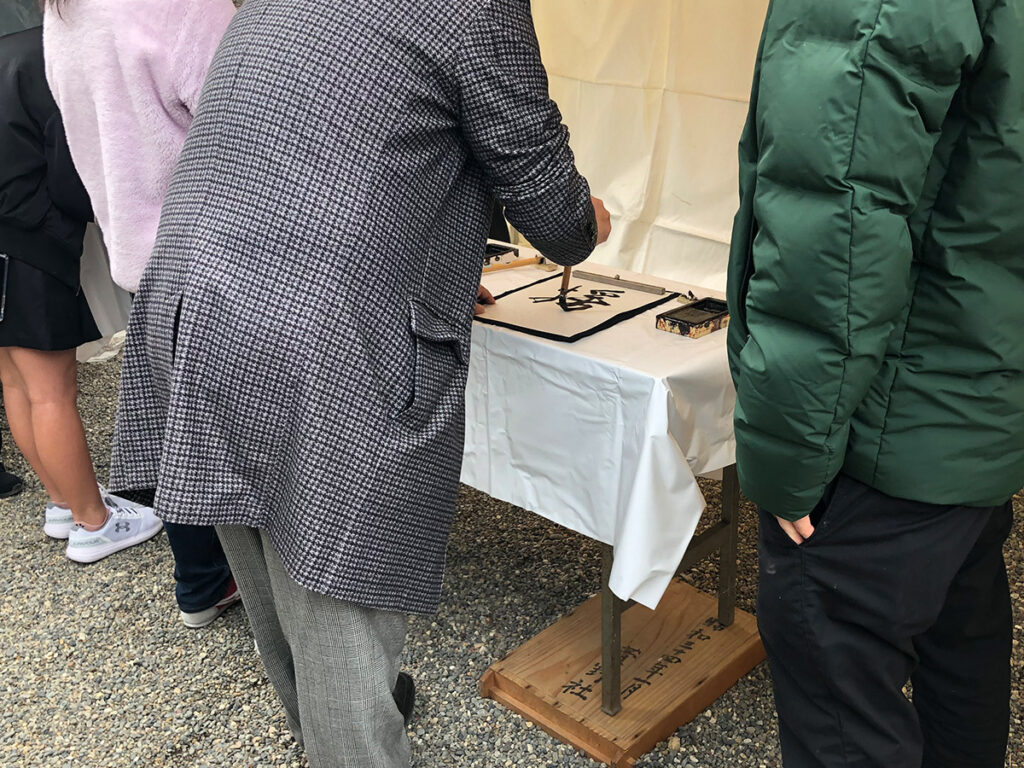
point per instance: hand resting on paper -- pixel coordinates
(483, 296)
(604, 220)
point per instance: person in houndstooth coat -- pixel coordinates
(298, 349)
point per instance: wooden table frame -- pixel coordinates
(721, 538)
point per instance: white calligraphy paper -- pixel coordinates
(589, 307)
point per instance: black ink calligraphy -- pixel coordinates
(637, 684)
(629, 652)
(714, 625)
(578, 689)
(596, 297)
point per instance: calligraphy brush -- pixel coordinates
(566, 276)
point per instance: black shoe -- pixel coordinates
(405, 696)
(10, 485)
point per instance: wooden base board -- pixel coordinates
(675, 662)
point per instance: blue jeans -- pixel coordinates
(201, 570)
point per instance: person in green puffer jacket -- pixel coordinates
(876, 286)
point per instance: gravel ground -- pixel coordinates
(97, 670)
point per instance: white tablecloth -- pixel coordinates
(110, 305)
(604, 436)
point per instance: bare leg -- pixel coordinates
(51, 387)
(19, 418)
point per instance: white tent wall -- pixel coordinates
(655, 95)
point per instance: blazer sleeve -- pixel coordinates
(851, 101)
(21, 155)
(515, 133)
(34, 146)
(66, 189)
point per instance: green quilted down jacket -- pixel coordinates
(876, 277)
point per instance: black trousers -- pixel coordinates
(886, 591)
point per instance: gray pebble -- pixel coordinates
(97, 670)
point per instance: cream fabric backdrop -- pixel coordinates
(655, 94)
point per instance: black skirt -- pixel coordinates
(42, 312)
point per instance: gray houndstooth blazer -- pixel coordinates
(298, 349)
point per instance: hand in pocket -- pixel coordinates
(798, 530)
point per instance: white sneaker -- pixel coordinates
(125, 527)
(119, 500)
(200, 619)
(59, 521)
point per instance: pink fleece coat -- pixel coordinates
(127, 77)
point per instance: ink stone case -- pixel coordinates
(697, 319)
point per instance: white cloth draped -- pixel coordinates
(110, 305)
(605, 435)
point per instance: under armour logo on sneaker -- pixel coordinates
(122, 526)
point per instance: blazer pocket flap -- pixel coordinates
(430, 326)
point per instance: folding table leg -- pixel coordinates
(728, 552)
(611, 639)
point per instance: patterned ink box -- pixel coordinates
(696, 319)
